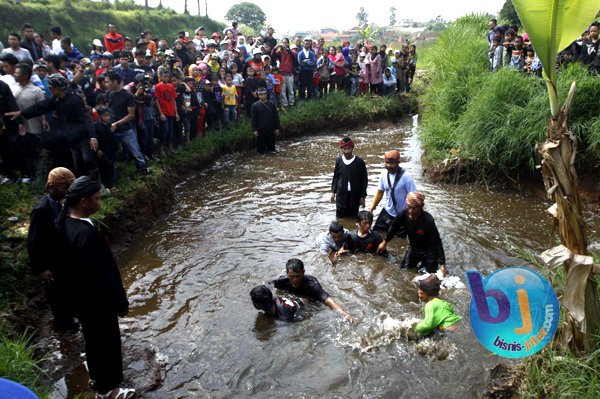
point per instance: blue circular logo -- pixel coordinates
(514, 311)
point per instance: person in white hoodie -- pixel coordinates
(389, 82)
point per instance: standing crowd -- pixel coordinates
(147, 96)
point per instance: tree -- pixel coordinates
(552, 25)
(509, 13)
(392, 16)
(246, 13)
(198, 1)
(362, 17)
(185, 8)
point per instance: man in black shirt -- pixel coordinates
(425, 244)
(349, 183)
(96, 292)
(122, 104)
(265, 122)
(303, 285)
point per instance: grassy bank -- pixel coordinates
(554, 372)
(493, 121)
(336, 112)
(85, 20)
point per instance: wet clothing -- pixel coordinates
(310, 287)
(425, 244)
(368, 243)
(396, 187)
(265, 120)
(97, 296)
(326, 243)
(286, 308)
(349, 184)
(438, 314)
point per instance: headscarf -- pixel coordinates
(60, 177)
(346, 141)
(430, 285)
(415, 198)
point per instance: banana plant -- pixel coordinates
(552, 25)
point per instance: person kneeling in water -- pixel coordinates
(439, 314)
(280, 307)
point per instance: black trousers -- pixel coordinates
(265, 142)
(102, 349)
(426, 257)
(384, 221)
(305, 85)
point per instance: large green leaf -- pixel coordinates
(552, 25)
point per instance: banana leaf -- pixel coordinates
(552, 25)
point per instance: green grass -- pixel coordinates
(555, 372)
(18, 363)
(495, 120)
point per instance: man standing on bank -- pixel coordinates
(265, 122)
(96, 291)
(396, 183)
(349, 183)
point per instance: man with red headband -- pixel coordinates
(349, 184)
(396, 183)
(425, 245)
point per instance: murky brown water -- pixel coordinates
(235, 225)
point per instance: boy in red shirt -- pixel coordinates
(167, 111)
(277, 87)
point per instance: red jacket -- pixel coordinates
(114, 42)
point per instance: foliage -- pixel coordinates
(495, 120)
(247, 13)
(362, 17)
(553, 25)
(435, 25)
(509, 14)
(17, 361)
(164, 23)
(392, 15)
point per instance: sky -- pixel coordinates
(303, 15)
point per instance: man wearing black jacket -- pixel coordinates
(425, 244)
(265, 123)
(73, 124)
(349, 183)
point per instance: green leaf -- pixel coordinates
(552, 25)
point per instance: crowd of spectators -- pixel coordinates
(150, 95)
(508, 48)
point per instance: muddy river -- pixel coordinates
(235, 224)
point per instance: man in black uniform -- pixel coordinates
(265, 122)
(303, 285)
(41, 245)
(425, 244)
(95, 288)
(349, 183)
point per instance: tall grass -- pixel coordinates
(495, 120)
(555, 372)
(17, 362)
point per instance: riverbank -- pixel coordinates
(479, 126)
(137, 202)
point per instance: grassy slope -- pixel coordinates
(337, 111)
(495, 120)
(86, 20)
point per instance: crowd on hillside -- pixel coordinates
(150, 95)
(508, 48)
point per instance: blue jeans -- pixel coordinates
(166, 130)
(353, 85)
(129, 141)
(229, 115)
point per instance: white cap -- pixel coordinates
(97, 42)
(362, 54)
(308, 38)
(256, 51)
(211, 41)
